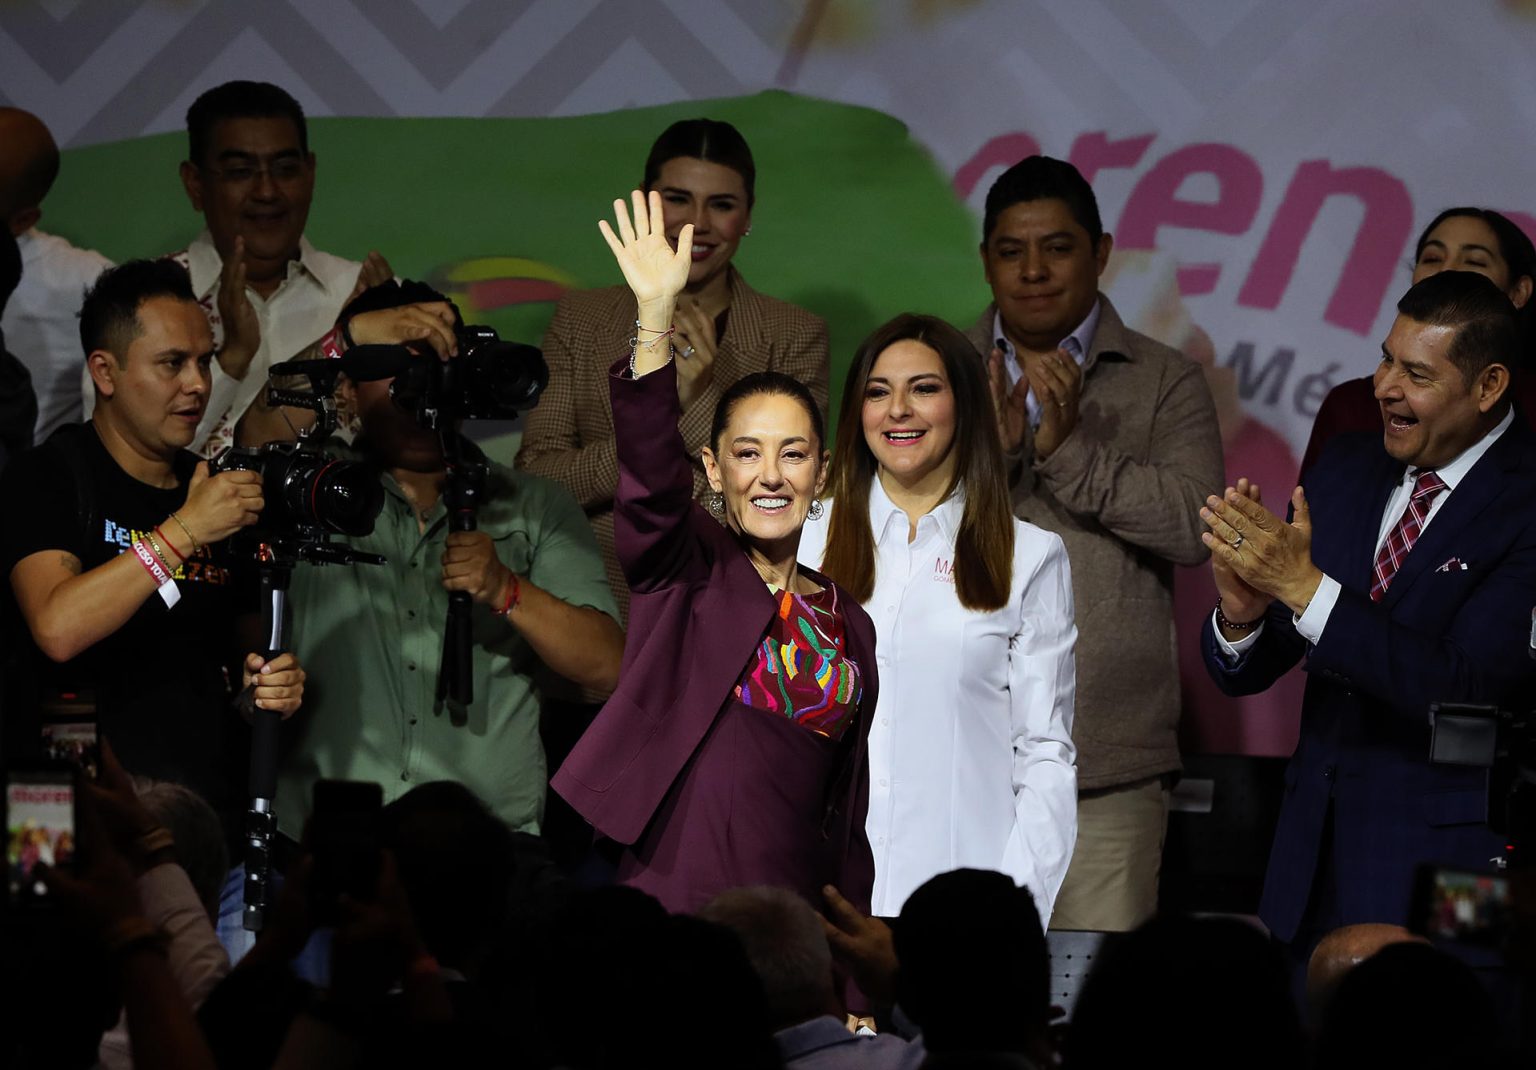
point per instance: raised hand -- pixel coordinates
(374, 272)
(655, 268)
(1265, 552)
(242, 330)
(1057, 382)
(1008, 402)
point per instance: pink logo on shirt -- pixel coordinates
(943, 571)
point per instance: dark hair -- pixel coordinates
(1515, 246)
(1037, 178)
(703, 139)
(239, 100)
(109, 318)
(984, 543)
(975, 970)
(774, 384)
(456, 864)
(1487, 328)
(1409, 1004)
(1202, 993)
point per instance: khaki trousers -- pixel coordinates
(1111, 885)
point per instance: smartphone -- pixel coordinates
(39, 828)
(1461, 906)
(69, 730)
(345, 841)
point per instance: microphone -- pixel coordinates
(361, 364)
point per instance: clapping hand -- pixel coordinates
(242, 330)
(1260, 549)
(1008, 402)
(655, 269)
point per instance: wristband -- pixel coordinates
(179, 555)
(331, 345)
(165, 586)
(514, 597)
(1236, 626)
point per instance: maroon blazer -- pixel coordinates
(698, 611)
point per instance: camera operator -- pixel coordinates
(115, 559)
(373, 636)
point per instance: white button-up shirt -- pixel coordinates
(971, 754)
(42, 324)
(300, 312)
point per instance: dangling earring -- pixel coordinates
(715, 503)
(747, 233)
(815, 511)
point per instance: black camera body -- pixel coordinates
(490, 379)
(308, 493)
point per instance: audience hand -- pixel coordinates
(863, 945)
(470, 564)
(279, 683)
(696, 347)
(375, 942)
(123, 815)
(1264, 552)
(101, 893)
(1008, 402)
(1057, 382)
(218, 506)
(426, 321)
(242, 330)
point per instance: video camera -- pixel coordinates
(1504, 743)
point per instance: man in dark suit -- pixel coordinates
(1414, 584)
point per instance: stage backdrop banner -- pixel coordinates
(1264, 167)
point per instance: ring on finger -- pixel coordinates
(687, 352)
(1237, 543)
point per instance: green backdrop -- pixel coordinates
(853, 220)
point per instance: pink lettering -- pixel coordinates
(1005, 150)
(1155, 203)
(1092, 153)
(1371, 265)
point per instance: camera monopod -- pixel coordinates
(260, 820)
(463, 488)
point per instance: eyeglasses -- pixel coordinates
(282, 171)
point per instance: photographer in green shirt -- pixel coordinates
(372, 636)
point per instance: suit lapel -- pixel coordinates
(745, 327)
(1381, 477)
(1479, 489)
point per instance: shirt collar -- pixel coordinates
(882, 510)
(1454, 472)
(806, 1037)
(205, 265)
(1077, 343)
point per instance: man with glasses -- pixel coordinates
(268, 293)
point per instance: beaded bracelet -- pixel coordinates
(179, 555)
(1236, 626)
(165, 558)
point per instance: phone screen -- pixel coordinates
(1469, 908)
(40, 828)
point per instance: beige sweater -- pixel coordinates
(1124, 491)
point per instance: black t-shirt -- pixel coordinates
(162, 681)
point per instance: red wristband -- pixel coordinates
(179, 555)
(514, 597)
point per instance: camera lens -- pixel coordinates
(340, 496)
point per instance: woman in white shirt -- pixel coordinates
(971, 754)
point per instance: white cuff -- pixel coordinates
(1311, 623)
(1233, 651)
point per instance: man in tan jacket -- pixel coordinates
(1116, 448)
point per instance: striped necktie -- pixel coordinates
(1405, 532)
